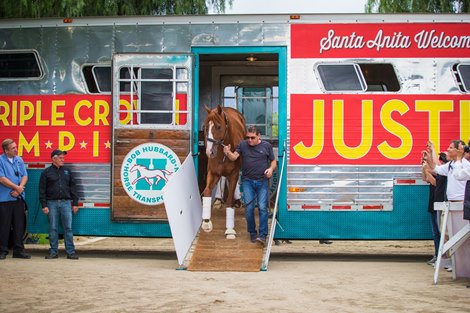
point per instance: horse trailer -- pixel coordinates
(348, 101)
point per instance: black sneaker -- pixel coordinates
(51, 256)
(21, 255)
(72, 256)
(325, 242)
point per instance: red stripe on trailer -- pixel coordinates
(94, 205)
(341, 207)
(372, 207)
(102, 205)
(311, 207)
(36, 165)
(406, 181)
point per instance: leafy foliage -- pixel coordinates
(417, 6)
(76, 8)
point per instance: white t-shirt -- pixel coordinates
(462, 170)
(455, 188)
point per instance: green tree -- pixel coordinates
(76, 8)
(417, 6)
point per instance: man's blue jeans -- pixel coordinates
(436, 234)
(259, 189)
(60, 209)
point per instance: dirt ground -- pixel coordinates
(140, 275)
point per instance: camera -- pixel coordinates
(466, 149)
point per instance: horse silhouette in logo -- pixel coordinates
(147, 174)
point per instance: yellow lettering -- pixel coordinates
(127, 107)
(14, 112)
(318, 138)
(5, 107)
(101, 112)
(76, 113)
(39, 120)
(366, 131)
(63, 136)
(26, 106)
(465, 120)
(96, 143)
(28, 146)
(396, 129)
(56, 116)
(434, 107)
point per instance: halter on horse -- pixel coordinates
(223, 126)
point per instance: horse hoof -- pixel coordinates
(217, 204)
(230, 233)
(206, 226)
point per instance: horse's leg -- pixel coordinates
(219, 194)
(206, 203)
(136, 180)
(230, 232)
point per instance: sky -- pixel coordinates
(295, 6)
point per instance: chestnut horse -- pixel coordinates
(223, 126)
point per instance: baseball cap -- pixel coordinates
(57, 152)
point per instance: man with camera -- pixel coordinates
(462, 173)
(455, 188)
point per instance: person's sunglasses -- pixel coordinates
(250, 137)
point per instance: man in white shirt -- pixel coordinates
(461, 172)
(455, 188)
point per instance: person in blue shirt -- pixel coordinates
(258, 164)
(13, 179)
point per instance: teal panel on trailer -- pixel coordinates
(88, 221)
(408, 220)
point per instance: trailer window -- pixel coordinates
(158, 95)
(462, 76)
(379, 77)
(341, 77)
(363, 77)
(19, 65)
(97, 78)
(259, 106)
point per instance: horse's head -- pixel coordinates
(136, 167)
(215, 130)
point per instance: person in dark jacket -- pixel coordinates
(58, 197)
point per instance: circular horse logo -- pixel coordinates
(145, 171)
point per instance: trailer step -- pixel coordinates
(213, 253)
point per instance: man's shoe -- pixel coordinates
(432, 261)
(262, 240)
(21, 255)
(325, 242)
(51, 256)
(72, 256)
(3, 256)
(253, 237)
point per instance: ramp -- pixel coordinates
(213, 253)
